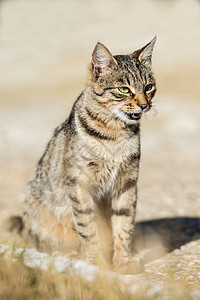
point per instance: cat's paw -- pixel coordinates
(129, 266)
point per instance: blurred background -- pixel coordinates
(45, 48)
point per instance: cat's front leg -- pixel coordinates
(123, 218)
(83, 209)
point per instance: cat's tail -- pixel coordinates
(15, 224)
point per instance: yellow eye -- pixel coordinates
(124, 90)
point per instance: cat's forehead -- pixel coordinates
(130, 71)
(126, 61)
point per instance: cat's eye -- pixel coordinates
(148, 87)
(124, 90)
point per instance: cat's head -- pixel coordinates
(123, 84)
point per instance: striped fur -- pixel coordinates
(86, 183)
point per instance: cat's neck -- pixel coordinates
(98, 117)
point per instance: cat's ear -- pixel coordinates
(144, 55)
(102, 60)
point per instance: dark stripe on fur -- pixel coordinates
(82, 224)
(128, 81)
(93, 117)
(121, 212)
(128, 233)
(74, 199)
(90, 114)
(91, 131)
(128, 185)
(117, 96)
(70, 181)
(134, 204)
(78, 211)
(133, 157)
(86, 237)
(91, 164)
(134, 128)
(82, 235)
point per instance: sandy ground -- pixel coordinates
(45, 49)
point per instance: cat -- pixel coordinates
(87, 176)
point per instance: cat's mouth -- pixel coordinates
(133, 116)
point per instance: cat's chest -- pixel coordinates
(108, 165)
(111, 152)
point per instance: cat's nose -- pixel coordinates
(143, 105)
(139, 100)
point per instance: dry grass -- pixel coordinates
(21, 282)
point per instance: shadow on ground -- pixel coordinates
(162, 236)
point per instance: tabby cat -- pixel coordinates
(86, 183)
